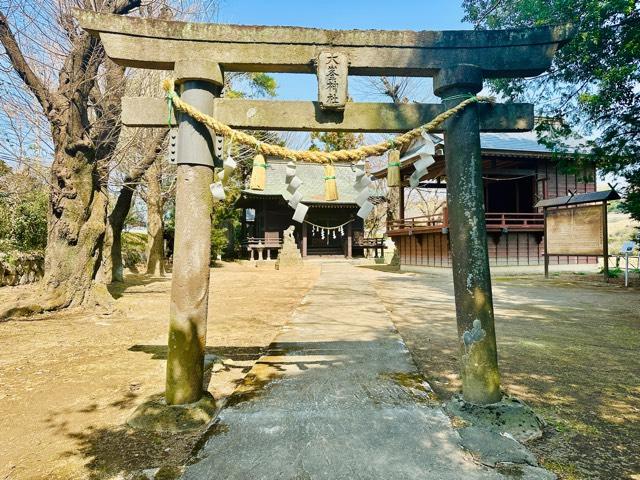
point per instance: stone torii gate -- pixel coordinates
(459, 61)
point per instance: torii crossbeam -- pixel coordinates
(459, 61)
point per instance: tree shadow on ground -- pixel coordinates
(566, 349)
(383, 268)
(121, 450)
(118, 289)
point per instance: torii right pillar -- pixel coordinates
(468, 237)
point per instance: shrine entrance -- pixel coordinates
(200, 54)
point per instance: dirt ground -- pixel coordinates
(68, 381)
(568, 346)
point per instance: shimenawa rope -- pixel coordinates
(352, 155)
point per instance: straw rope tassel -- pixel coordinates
(393, 169)
(258, 173)
(330, 187)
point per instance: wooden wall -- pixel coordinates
(552, 182)
(513, 248)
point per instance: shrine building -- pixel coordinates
(329, 228)
(517, 173)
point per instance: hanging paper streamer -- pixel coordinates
(258, 173)
(294, 185)
(359, 169)
(295, 199)
(362, 186)
(290, 172)
(229, 165)
(363, 183)
(393, 169)
(365, 210)
(300, 213)
(421, 170)
(330, 187)
(217, 191)
(327, 232)
(362, 197)
(426, 153)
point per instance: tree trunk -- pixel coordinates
(113, 265)
(76, 230)
(155, 226)
(85, 134)
(78, 210)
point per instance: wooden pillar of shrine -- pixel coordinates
(305, 234)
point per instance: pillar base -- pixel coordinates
(509, 415)
(155, 415)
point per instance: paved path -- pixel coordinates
(337, 397)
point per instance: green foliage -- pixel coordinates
(330, 141)
(614, 272)
(225, 224)
(23, 211)
(134, 246)
(592, 88)
(616, 206)
(263, 84)
(29, 229)
(252, 85)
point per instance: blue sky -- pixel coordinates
(334, 14)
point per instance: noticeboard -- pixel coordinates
(575, 231)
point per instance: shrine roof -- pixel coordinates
(600, 196)
(312, 188)
(512, 144)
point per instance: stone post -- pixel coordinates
(304, 240)
(200, 83)
(468, 237)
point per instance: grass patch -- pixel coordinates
(566, 471)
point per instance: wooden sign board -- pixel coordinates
(575, 231)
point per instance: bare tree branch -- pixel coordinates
(23, 69)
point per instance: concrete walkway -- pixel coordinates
(337, 397)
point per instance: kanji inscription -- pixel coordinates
(333, 70)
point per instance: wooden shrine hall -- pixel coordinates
(329, 228)
(517, 173)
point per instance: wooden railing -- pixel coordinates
(370, 242)
(515, 221)
(426, 222)
(261, 246)
(495, 221)
(253, 242)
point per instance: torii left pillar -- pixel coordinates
(199, 83)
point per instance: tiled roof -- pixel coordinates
(312, 176)
(520, 142)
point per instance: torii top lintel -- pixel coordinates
(158, 44)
